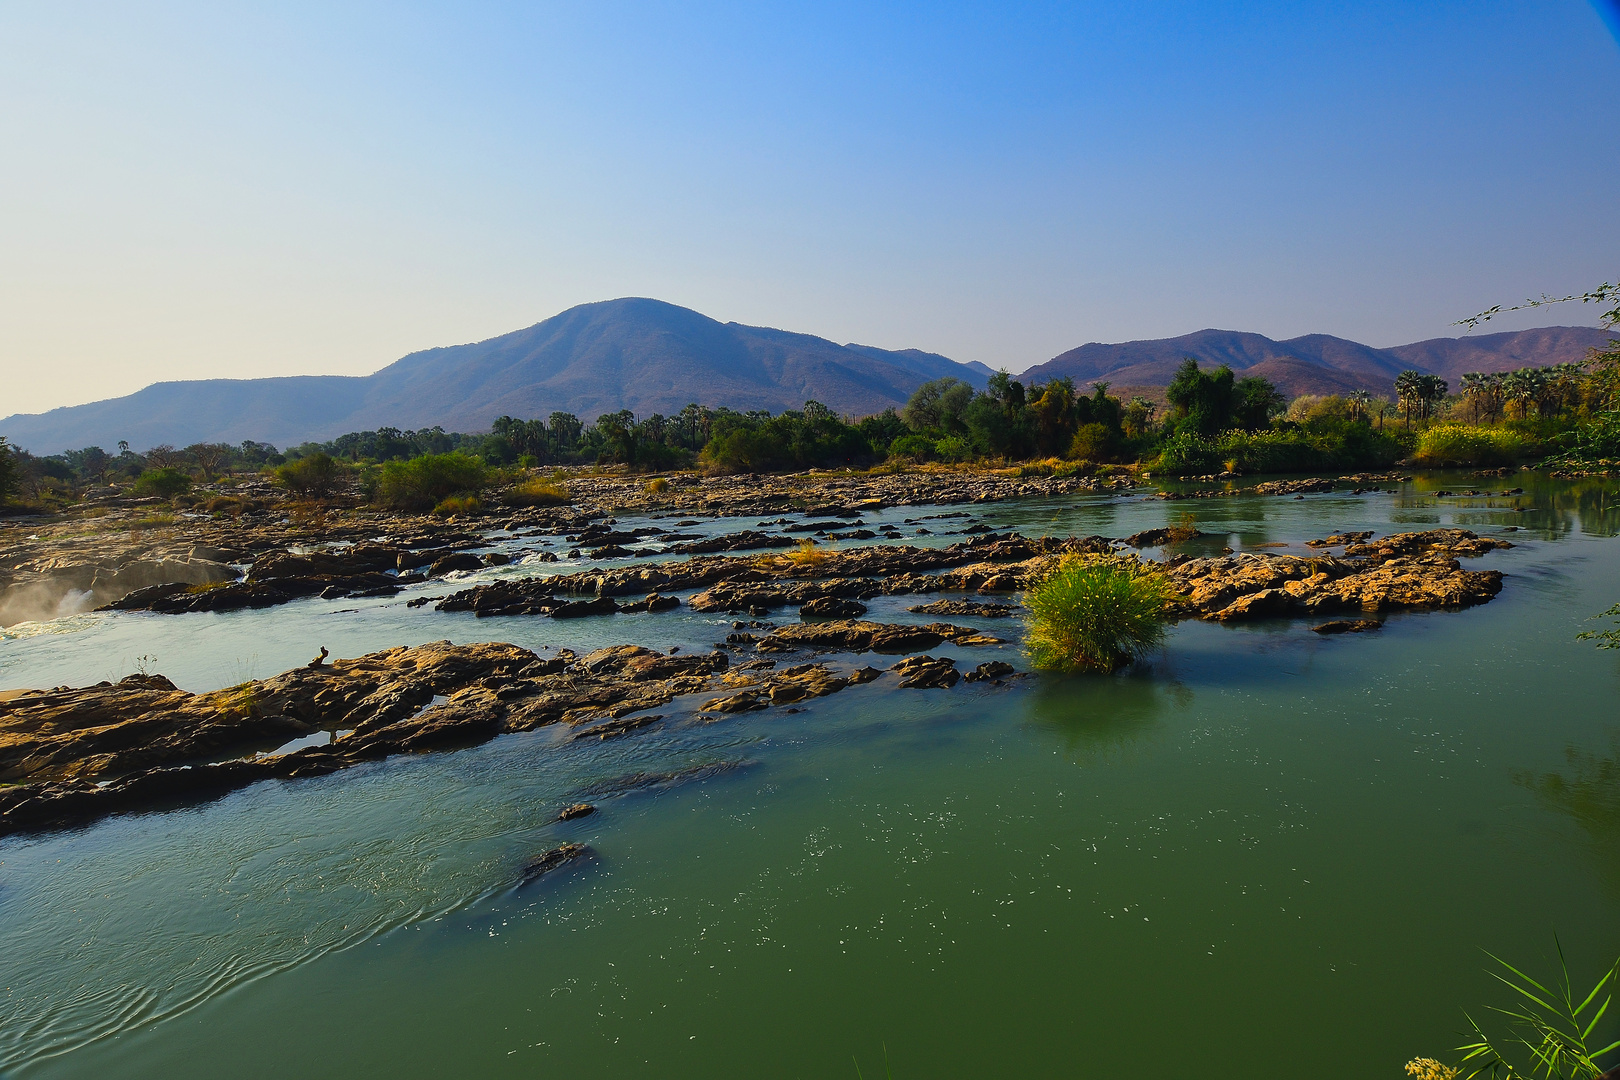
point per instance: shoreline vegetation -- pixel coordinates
(1565, 418)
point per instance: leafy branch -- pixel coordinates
(1603, 294)
(1606, 639)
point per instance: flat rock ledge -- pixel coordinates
(72, 755)
(1401, 572)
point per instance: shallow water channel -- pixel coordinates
(1261, 853)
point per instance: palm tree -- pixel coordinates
(1406, 392)
(1431, 391)
(1359, 400)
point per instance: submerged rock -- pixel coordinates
(1348, 626)
(555, 859)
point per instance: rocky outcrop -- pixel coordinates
(927, 672)
(74, 755)
(972, 609)
(1293, 487)
(1404, 571)
(986, 564)
(852, 636)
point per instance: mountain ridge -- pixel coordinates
(650, 356)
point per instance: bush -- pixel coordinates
(1092, 442)
(1458, 444)
(314, 476)
(423, 482)
(656, 486)
(1095, 614)
(165, 483)
(913, 448)
(536, 493)
(953, 448)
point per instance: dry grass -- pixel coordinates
(807, 554)
(656, 486)
(1185, 528)
(537, 492)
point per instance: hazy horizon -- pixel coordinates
(197, 193)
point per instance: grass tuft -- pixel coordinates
(1095, 613)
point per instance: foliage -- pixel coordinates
(760, 442)
(536, 493)
(1548, 1032)
(1460, 444)
(1094, 613)
(165, 482)
(1207, 402)
(423, 482)
(1420, 393)
(656, 486)
(1606, 639)
(10, 474)
(1603, 294)
(1326, 444)
(1592, 444)
(314, 476)
(913, 448)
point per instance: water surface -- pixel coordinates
(1260, 853)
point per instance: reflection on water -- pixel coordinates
(1589, 792)
(1116, 712)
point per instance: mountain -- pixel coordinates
(1317, 363)
(637, 354)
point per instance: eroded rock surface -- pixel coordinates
(1403, 571)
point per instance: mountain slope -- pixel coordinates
(1316, 363)
(637, 354)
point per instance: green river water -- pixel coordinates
(1261, 853)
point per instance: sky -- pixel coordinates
(240, 190)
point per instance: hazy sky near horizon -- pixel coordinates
(205, 190)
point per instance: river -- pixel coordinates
(1261, 852)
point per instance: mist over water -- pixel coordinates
(1262, 850)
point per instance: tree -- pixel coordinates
(938, 405)
(1202, 399)
(209, 457)
(162, 456)
(1359, 400)
(1419, 392)
(1255, 401)
(10, 473)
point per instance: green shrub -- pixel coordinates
(1092, 442)
(953, 448)
(913, 448)
(1329, 444)
(1459, 444)
(315, 475)
(1188, 453)
(165, 483)
(423, 482)
(536, 493)
(1095, 614)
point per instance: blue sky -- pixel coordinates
(238, 190)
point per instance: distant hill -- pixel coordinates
(1317, 363)
(637, 354)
